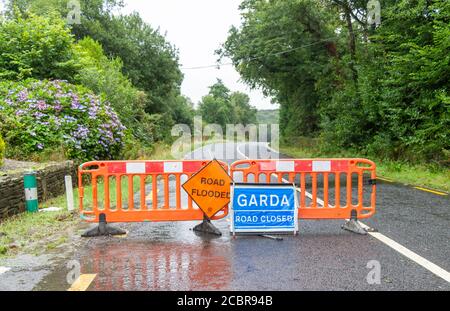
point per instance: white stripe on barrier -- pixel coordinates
(285, 166)
(173, 167)
(31, 194)
(321, 166)
(135, 168)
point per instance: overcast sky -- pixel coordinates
(197, 28)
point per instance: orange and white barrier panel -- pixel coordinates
(137, 191)
(327, 188)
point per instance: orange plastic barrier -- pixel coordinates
(353, 184)
(118, 185)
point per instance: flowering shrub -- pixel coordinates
(38, 115)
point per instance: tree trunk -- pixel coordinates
(352, 41)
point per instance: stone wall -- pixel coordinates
(50, 184)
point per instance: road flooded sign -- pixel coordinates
(261, 208)
(209, 188)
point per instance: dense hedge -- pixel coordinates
(382, 91)
(38, 115)
(34, 47)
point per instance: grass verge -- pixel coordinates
(429, 176)
(42, 231)
(35, 232)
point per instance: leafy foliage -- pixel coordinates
(104, 76)
(222, 107)
(281, 47)
(243, 112)
(36, 115)
(122, 58)
(377, 90)
(415, 89)
(148, 59)
(268, 116)
(35, 47)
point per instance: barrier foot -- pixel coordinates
(207, 227)
(272, 237)
(103, 229)
(353, 225)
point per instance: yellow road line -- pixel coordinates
(121, 236)
(385, 179)
(432, 191)
(416, 187)
(82, 283)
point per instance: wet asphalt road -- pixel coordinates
(170, 256)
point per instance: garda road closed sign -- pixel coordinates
(260, 208)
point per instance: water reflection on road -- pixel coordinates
(171, 257)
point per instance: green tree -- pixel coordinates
(148, 59)
(104, 76)
(283, 48)
(122, 58)
(414, 90)
(216, 107)
(381, 90)
(222, 107)
(243, 112)
(37, 47)
(215, 110)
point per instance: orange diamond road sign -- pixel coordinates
(209, 188)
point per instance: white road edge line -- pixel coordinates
(4, 269)
(211, 155)
(435, 269)
(410, 254)
(240, 152)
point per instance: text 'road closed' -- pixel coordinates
(264, 208)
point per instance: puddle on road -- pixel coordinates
(161, 256)
(168, 266)
(153, 256)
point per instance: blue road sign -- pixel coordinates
(260, 208)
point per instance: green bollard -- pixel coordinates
(31, 196)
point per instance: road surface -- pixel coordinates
(411, 247)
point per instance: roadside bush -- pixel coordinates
(104, 76)
(39, 115)
(159, 126)
(2, 150)
(36, 47)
